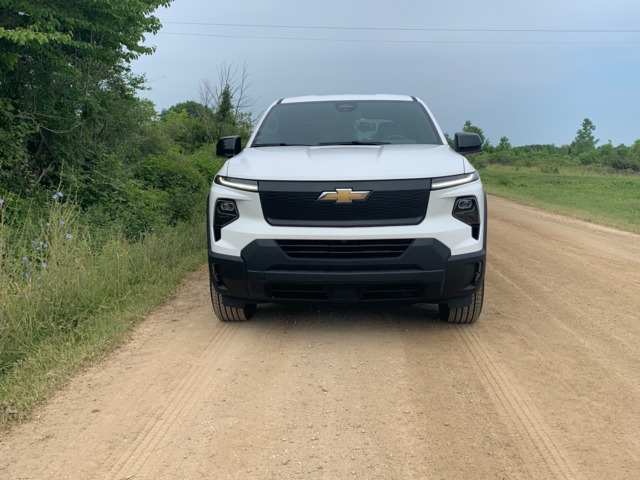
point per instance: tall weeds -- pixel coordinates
(64, 287)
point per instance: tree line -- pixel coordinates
(583, 150)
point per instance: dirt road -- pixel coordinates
(545, 386)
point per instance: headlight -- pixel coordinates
(237, 183)
(453, 181)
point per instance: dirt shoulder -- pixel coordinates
(545, 385)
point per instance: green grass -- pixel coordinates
(612, 200)
(69, 294)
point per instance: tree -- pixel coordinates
(503, 145)
(224, 116)
(469, 127)
(627, 158)
(584, 141)
(185, 131)
(194, 109)
(230, 101)
(67, 95)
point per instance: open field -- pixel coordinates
(612, 200)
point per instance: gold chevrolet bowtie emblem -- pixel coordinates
(343, 195)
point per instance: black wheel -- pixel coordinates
(230, 314)
(468, 314)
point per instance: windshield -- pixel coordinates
(370, 122)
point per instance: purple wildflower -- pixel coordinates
(61, 223)
(60, 194)
(24, 259)
(69, 235)
(26, 274)
(44, 265)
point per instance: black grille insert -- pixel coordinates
(344, 249)
(346, 293)
(390, 202)
(401, 291)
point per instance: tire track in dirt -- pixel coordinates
(132, 462)
(598, 353)
(530, 429)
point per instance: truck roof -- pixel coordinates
(346, 97)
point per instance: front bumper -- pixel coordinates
(425, 273)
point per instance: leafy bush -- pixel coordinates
(625, 163)
(204, 159)
(181, 183)
(503, 158)
(186, 132)
(478, 161)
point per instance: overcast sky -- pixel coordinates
(530, 71)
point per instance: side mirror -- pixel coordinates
(228, 146)
(467, 143)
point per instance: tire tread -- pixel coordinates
(468, 314)
(230, 314)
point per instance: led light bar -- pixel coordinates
(237, 183)
(453, 181)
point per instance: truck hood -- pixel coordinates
(352, 162)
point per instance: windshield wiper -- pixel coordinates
(354, 142)
(280, 145)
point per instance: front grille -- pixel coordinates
(391, 202)
(344, 249)
(346, 293)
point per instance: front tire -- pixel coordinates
(468, 314)
(230, 314)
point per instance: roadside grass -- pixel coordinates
(608, 199)
(69, 294)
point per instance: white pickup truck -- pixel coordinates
(347, 198)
